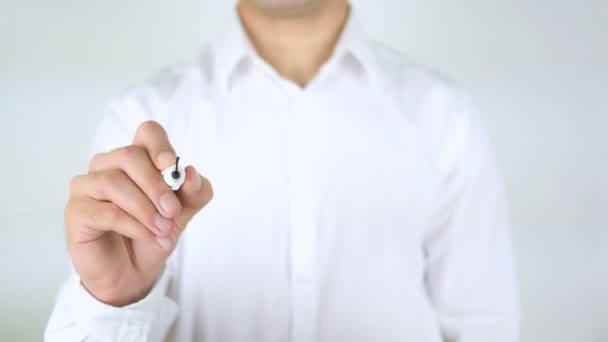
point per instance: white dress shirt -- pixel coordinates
(365, 207)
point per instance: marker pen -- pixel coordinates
(174, 175)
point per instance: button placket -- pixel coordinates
(302, 163)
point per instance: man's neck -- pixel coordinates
(296, 46)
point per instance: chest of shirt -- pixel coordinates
(347, 166)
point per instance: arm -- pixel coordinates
(117, 290)
(470, 273)
(78, 316)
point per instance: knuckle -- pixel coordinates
(106, 215)
(75, 184)
(93, 217)
(95, 161)
(148, 128)
(129, 153)
(130, 194)
(74, 216)
(110, 179)
(68, 213)
(111, 215)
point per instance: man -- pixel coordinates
(354, 198)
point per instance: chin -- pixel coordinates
(286, 7)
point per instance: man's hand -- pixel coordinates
(123, 221)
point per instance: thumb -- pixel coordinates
(194, 194)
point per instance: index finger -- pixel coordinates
(152, 137)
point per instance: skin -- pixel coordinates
(115, 212)
(122, 220)
(296, 37)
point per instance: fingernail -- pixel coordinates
(164, 242)
(162, 223)
(197, 182)
(169, 202)
(166, 158)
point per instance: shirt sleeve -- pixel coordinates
(77, 315)
(470, 272)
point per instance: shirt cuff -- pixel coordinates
(147, 319)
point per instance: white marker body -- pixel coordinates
(173, 183)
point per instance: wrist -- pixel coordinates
(118, 296)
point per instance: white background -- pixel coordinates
(537, 69)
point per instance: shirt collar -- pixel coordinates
(233, 46)
(354, 42)
(229, 49)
